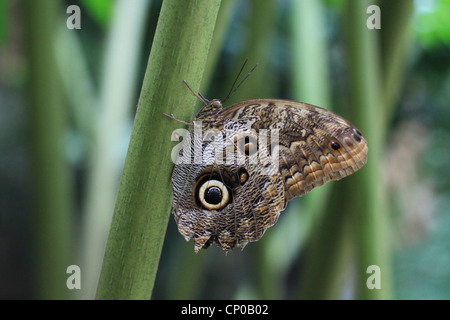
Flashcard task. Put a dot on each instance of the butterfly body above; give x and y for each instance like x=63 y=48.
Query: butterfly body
x=251 y=159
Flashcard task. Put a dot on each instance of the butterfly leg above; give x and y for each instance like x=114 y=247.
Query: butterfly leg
x=172 y=117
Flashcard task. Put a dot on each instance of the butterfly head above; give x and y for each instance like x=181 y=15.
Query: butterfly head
x=210 y=111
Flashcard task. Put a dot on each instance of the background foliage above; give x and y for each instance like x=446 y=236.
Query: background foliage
x=306 y=51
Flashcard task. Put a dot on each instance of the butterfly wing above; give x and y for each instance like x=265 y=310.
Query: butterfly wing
x=263 y=154
x=219 y=198
x=315 y=144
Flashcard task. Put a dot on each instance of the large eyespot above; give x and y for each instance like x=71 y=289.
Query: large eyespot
x=213 y=195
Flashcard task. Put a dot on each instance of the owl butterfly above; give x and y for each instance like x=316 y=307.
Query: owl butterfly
x=242 y=164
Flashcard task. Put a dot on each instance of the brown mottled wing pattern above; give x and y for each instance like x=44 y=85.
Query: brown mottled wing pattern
x=307 y=158
x=314 y=146
x=249 y=212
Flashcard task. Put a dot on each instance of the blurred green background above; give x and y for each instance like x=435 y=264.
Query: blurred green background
x=67 y=101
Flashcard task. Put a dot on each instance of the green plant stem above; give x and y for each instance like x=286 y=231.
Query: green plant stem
x=179 y=52
x=395 y=40
x=51 y=175
x=77 y=82
x=330 y=248
x=116 y=102
x=311 y=85
x=261 y=84
x=369 y=210
x=220 y=32
x=311 y=72
x=311 y=77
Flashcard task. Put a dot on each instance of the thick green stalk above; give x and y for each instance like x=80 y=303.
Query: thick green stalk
x=51 y=175
x=179 y=52
x=369 y=209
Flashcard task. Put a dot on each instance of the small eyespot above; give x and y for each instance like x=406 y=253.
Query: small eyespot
x=213 y=195
x=335 y=145
x=243 y=176
x=356 y=137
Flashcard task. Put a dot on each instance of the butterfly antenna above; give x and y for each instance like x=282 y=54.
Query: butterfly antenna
x=242 y=81
x=198 y=94
x=235 y=80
